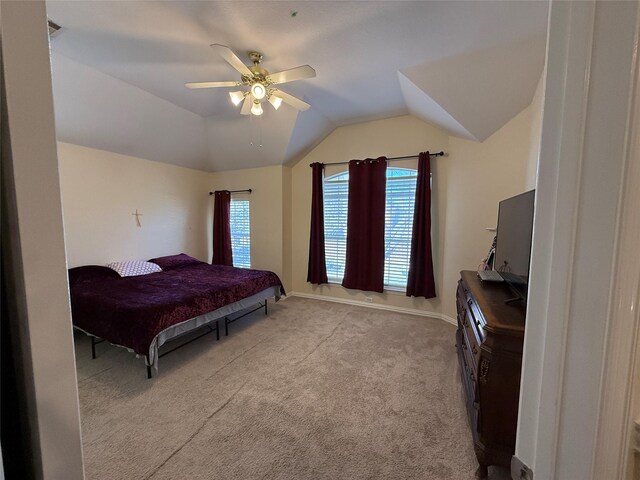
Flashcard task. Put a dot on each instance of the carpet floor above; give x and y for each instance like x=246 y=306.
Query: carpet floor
x=314 y=390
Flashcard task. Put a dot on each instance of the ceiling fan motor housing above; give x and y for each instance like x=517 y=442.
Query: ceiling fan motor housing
x=256 y=57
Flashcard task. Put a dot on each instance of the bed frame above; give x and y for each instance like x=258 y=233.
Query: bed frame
x=215 y=328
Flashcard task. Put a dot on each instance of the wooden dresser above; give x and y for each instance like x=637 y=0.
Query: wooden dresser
x=489 y=341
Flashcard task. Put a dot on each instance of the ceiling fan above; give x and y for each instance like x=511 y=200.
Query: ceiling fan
x=261 y=83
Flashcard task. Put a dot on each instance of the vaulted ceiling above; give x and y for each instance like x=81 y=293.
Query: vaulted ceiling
x=119 y=70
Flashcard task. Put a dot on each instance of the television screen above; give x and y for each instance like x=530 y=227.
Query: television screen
x=513 y=241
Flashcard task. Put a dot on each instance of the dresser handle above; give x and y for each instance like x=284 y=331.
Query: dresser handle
x=484 y=371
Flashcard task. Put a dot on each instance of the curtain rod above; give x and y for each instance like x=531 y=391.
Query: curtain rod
x=248 y=190
x=437 y=154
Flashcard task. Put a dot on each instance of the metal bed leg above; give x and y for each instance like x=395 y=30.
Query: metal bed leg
x=227 y=321
x=216 y=329
x=94 y=342
x=148 y=367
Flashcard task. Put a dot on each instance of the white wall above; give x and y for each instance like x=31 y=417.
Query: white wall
x=591 y=55
x=236 y=142
x=35 y=256
x=99 y=111
x=96 y=110
x=101 y=190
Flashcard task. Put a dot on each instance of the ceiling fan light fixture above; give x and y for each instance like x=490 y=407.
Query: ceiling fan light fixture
x=258 y=90
x=237 y=97
x=256 y=109
x=275 y=101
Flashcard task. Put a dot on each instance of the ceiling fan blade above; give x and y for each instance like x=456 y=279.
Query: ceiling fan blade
x=291 y=100
x=231 y=58
x=246 y=105
x=298 y=73
x=211 y=84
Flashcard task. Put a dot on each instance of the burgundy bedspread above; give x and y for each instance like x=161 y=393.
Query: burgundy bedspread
x=131 y=311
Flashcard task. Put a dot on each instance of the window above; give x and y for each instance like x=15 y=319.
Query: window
x=240 y=214
x=401 y=192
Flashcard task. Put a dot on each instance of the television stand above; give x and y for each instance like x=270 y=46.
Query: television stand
x=489 y=341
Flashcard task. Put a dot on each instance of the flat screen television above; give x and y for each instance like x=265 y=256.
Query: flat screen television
x=513 y=242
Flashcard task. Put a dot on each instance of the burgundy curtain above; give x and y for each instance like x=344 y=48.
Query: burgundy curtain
x=222 y=229
x=421 y=282
x=364 y=266
x=317 y=270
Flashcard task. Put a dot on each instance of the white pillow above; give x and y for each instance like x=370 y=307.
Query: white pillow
x=133 y=268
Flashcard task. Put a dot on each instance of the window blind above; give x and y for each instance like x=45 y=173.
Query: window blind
x=400 y=192
x=240 y=215
x=398 y=226
x=335 y=192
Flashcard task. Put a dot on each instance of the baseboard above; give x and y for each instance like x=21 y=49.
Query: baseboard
x=390 y=308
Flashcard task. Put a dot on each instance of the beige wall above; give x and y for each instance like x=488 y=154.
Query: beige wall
x=267 y=212
x=287 y=240
x=467 y=186
x=476 y=177
x=101 y=189
x=536 y=107
x=396 y=136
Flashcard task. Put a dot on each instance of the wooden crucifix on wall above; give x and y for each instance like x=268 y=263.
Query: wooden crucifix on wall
x=137 y=215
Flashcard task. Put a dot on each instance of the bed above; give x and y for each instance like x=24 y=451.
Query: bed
x=141 y=313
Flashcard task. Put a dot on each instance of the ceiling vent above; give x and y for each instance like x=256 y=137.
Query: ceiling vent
x=54 y=28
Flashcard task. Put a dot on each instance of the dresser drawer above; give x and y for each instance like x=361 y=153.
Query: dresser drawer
x=468 y=368
x=461 y=298
x=473 y=347
x=476 y=320
x=466 y=305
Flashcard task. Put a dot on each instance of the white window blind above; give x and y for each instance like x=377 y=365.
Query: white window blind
x=398 y=225
x=240 y=215
x=400 y=192
x=335 y=190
